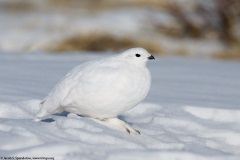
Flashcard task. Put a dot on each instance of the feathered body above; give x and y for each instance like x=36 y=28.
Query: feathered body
x=103 y=88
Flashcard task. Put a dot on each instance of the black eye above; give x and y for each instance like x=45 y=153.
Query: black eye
x=137 y=55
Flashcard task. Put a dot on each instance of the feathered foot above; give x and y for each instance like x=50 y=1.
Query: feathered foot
x=117 y=124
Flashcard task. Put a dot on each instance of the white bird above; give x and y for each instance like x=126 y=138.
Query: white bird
x=102 y=89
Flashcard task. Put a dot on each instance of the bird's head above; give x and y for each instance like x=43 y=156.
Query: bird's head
x=137 y=56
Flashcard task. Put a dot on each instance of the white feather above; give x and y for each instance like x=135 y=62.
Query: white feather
x=102 y=88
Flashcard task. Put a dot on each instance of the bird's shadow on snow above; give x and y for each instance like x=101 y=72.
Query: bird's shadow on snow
x=63 y=114
x=49 y=120
x=123 y=118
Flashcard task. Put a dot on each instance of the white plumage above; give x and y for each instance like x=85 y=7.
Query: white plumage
x=102 y=89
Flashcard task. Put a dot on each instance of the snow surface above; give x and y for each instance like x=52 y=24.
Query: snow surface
x=191 y=113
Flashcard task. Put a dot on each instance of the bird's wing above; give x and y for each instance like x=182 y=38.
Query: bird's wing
x=98 y=82
x=102 y=78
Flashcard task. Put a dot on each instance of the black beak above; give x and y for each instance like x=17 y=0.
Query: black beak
x=151 y=57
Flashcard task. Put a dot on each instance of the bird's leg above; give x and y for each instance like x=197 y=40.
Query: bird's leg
x=117 y=124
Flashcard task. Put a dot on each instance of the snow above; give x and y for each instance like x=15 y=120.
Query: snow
x=191 y=112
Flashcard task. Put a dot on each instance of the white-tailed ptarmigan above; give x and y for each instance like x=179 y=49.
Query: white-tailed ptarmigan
x=102 y=89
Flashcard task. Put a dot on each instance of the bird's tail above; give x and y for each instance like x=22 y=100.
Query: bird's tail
x=42 y=112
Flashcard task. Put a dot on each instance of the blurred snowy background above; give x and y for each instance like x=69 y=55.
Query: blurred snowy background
x=196 y=28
